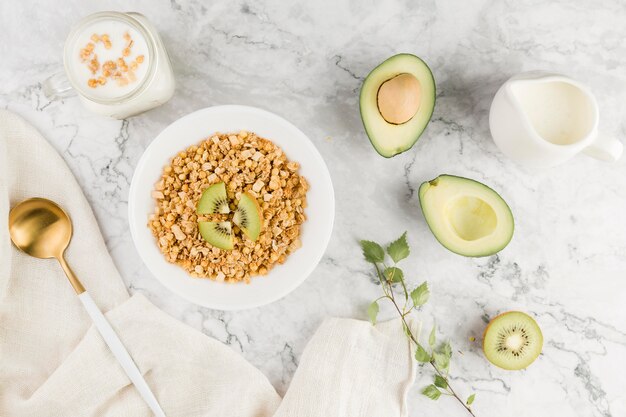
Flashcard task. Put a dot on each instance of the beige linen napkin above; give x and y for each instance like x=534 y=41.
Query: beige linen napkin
x=53 y=363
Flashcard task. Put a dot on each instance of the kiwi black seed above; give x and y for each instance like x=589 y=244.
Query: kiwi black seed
x=222 y=229
x=512 y=340
x=242 y=217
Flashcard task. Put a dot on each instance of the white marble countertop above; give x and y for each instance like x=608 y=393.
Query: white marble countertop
x=305 y=61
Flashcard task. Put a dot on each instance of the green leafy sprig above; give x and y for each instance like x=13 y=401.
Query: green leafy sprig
x=405 y=302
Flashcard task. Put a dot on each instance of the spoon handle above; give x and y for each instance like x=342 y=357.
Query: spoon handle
x=120 y=353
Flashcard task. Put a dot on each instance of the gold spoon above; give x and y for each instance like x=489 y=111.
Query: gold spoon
x=41 y=228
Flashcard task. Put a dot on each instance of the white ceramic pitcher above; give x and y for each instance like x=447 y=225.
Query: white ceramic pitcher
x=540 y=120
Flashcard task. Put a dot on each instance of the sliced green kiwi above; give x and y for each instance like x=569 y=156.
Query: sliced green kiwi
x=214 y=200
x=512 y=340
x=248 y=216
x=218 y=234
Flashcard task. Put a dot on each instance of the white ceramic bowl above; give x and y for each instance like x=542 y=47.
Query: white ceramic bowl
x=315 y=232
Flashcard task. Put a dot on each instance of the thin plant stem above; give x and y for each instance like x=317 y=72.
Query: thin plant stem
x=389 y=294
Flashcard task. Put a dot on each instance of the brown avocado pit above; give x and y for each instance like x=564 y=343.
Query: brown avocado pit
x=399 y=98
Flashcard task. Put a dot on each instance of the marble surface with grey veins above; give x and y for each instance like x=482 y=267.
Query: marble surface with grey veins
x=305 y=61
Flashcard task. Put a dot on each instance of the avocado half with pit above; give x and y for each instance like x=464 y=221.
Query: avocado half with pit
x=397 y=101
x=466 y=216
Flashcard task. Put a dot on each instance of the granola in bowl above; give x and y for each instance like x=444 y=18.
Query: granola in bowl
x=245 y=163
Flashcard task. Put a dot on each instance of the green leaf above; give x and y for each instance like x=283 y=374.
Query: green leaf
x=421 y=355
x=442 y=356
x=446 y=349
x=470 y=399
x=432 y=392
x=372 y=251
x=420 y=295
x=442 y=361
x=372 y=311
x=441 y=382
x=399 y=249
x=432 y=339
x=394 y=274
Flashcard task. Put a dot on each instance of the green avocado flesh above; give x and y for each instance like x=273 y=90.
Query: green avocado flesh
x=214 y=200
x=218 y=234
x=390 y=139
x=466 y=216
x=512 y=341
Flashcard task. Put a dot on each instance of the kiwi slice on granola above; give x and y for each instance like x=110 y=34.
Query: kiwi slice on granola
x=218 y=234
x=248 y=216
x=214 y=200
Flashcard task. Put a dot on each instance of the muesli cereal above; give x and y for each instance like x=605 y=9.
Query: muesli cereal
x=245 y=163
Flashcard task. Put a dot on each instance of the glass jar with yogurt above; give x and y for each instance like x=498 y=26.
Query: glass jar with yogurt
x=117 y=65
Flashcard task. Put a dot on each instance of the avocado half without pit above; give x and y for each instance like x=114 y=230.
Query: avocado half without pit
x=466 y=216
x=397 y=101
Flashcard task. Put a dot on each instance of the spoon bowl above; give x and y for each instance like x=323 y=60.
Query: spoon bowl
x=40 y=228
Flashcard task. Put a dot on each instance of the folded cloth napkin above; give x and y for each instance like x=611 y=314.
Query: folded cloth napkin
x=54 y=363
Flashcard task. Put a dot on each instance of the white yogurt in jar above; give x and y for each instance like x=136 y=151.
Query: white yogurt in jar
x=118 y=64
x=113 y=54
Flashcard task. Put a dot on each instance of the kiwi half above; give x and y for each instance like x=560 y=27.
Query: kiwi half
x=214 y=200
x=512 y=340
x=218 y=234
x=248 y=216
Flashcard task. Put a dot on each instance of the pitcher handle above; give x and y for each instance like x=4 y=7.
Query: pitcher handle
x=605 y=149
x=57 y=87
